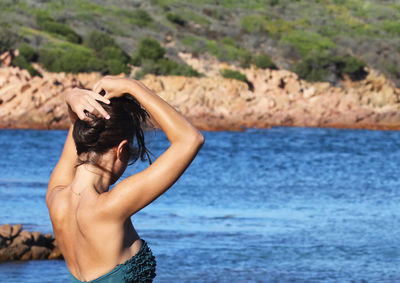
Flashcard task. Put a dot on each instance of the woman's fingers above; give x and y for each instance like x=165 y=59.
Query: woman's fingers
x=97 y=107
x=97 y=96
x=92 y=106
x=100 y=98
x=81 y=114
x=97 y=87
x=110 y=86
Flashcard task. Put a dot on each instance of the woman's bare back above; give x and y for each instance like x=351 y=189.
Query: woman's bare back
x=92 y=243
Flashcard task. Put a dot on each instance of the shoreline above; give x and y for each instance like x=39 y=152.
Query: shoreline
x=279 y=99
x=230 y=129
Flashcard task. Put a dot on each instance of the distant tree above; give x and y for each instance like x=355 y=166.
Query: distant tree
x=263 y=61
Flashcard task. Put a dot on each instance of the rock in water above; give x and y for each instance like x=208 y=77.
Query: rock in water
x=18 y=244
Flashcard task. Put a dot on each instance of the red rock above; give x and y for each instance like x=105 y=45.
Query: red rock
x=55 y=254
x=15 y=230
x=40 y=252
x=27 y=255
x=38 y=238
x=5 y=231
x=13 y=253
x=214 y=102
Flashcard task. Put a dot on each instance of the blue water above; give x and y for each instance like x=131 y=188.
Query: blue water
x=277 y=205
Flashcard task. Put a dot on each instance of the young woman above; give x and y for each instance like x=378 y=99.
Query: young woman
x=91 y=224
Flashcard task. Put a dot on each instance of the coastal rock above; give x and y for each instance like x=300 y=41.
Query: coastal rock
x=5 y=231
x=55 y=253
x=15 y=230
x=13 y=252
x=23 y=238
x=38 y=238
x=277 y=98
x=20 y=244
x=39 y=252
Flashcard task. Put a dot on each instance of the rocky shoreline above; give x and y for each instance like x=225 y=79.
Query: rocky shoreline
x=278 y=98
x=18 y=244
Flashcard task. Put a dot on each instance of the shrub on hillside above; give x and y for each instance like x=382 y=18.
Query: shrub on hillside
x=253 y=23
x=148 y=48
x=150 y=56
x=98 y=65
x=22 y=63
x=307 y=41
x=165 y=67
x=175 y=19
x=228 y=52
x=114 y=59
x=114 y=53
x=263 y=61
x=245 y=60
x=136 y=17
x=71 y=59
x=8 y=38
x=314 y=68
x=97 y=40
x=232 y=74
x=28 y=52
x=26 y=55
x=141 y=18
x=116 y=67
x=326 y=67
x=48 y=24
x=392 y=27
x=351 y=66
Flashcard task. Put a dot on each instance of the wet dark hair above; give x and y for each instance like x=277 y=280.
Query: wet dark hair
x=97 y=136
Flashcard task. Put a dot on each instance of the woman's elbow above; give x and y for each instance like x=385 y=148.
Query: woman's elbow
x=197 y=139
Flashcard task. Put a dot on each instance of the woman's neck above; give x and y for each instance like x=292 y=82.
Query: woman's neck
x=88 y=175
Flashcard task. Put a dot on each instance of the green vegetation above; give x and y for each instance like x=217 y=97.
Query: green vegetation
x=68 y=58
x=28 y=52
x=22 y=63
x=97 y=40
x=231 y=30
x=258 y=23
x=113 y=59
x=150 y=56
x=148 y=48
x=48 y=24
x=8 y=38
x=232 y=74
x=326 y=67
x=264 y=62
x=176 y=19
x=26 y=55
x=100 y=53
x=306 y=41
x=225 y=50
x=392 y=27
x=253 y=23
x=137 y=17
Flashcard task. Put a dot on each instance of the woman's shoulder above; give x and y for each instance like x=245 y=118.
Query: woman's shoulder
x=57 y=198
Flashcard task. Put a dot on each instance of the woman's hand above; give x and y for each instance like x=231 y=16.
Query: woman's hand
x=114 y=86
x=81 y=100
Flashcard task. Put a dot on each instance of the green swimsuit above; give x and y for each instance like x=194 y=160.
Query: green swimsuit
x=140 y=268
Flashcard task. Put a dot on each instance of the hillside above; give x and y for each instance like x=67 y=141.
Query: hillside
x=320 y=40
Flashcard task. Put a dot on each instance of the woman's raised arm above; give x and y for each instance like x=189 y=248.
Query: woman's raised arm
x=78 y=101
x=137 y=191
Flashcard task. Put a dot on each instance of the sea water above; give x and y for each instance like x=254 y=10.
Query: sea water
x=276 y=205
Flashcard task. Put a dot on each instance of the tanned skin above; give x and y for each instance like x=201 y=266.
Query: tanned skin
x=91 y=224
